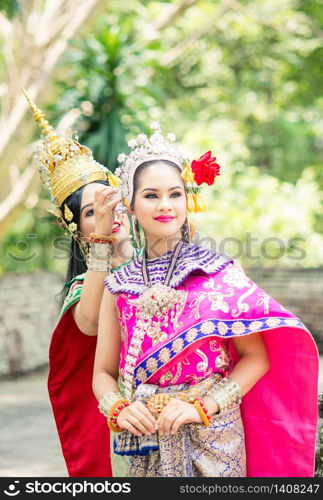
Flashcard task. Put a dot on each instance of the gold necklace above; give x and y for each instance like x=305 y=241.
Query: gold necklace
x=157 y=301
x=159 y=298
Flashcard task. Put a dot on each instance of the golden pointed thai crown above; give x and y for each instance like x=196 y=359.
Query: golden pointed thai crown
x=65 y=164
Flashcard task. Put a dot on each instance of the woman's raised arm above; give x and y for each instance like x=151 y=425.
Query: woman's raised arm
x=86 y=311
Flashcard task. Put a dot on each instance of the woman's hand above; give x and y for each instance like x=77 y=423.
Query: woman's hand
x=104 y=204
x=137 y=419
x=176 y=413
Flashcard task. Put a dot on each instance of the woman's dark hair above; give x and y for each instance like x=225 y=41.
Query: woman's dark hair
x=147 y=164
x=76 y=263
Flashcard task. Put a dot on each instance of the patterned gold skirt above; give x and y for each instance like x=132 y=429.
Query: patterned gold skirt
x=194 y=451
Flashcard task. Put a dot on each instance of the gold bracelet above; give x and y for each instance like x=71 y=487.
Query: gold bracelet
x=103 y=237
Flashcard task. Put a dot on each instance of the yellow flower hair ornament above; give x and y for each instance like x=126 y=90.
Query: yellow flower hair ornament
x=205 y=169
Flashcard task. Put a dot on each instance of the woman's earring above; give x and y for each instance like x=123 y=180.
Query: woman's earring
x=141 y=241
x=135 y=233
x=186 y=233
x=83 y=244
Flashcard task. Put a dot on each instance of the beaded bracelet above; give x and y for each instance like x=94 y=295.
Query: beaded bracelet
x=102 y=237
x=96 y=240
x=114 y=413
x=202 y=411
x=200 y=406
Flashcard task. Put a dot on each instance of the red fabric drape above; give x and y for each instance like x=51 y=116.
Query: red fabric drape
x=83 y=431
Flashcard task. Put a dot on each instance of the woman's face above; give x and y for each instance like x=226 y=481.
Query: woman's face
x=160 y=201
x=121 y=226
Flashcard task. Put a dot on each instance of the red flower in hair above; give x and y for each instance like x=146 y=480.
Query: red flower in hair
x=205 y=169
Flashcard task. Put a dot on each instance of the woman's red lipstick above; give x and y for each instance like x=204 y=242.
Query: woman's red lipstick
x=116 y=227
x=165 y=218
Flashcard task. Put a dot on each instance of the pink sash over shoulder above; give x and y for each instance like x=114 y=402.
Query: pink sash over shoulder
x=280 y=412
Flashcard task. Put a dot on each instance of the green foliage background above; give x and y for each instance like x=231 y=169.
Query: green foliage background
x=241 y=78
x=10 y=8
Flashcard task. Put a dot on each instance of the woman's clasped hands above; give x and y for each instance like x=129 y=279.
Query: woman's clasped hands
x=138 y=420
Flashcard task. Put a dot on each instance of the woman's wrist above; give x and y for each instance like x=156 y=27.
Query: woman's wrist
x=107 y=401
x=99 y=255
x=117 y=422
x=103 y=230
x=203 y=411
x=114 y=414
x=211 y=405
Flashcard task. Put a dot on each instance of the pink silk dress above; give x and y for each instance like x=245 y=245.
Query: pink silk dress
x=221 y=303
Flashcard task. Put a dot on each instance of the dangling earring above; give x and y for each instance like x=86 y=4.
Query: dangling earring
x=83 y=244
x=137 y=239
x=186 y=231
x=140 y=235
x=135 y=233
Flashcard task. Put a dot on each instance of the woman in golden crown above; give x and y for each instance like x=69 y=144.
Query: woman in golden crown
x=197 y=370
x=87 y=206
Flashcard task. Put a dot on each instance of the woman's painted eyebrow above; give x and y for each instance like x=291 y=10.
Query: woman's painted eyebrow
x=85 y=206
x=153 y=189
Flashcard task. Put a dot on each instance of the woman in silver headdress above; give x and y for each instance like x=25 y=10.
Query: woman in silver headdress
x=184 y=337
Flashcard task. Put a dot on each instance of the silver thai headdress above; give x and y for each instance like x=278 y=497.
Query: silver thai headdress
x=143 y=149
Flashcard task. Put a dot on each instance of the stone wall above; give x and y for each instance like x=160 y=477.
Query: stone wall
x=29 y=311
x=300 y=291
